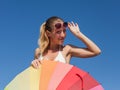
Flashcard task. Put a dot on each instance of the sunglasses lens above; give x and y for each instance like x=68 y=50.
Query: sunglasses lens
x=65 y=24
x=58 y=25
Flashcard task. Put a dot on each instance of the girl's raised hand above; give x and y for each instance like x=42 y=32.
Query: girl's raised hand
x=74 y=28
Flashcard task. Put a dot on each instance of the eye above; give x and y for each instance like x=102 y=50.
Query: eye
x=58 y=32
x=64 y=30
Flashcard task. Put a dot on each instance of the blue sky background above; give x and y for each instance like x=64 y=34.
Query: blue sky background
x=98 y=19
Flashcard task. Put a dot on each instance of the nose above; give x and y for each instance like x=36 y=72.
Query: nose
x=63 y=34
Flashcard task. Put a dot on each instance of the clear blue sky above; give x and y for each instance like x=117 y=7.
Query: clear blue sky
x=98 y=19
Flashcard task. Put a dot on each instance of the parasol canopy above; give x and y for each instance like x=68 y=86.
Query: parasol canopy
x=53 y=75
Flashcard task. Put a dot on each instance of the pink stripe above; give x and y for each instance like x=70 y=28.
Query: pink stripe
x=73 y=77
x=99 y=87
x=59 y=73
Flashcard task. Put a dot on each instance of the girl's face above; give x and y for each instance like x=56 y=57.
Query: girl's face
x=58 y=34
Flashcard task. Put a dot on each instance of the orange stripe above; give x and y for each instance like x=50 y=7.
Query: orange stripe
x=47 y=69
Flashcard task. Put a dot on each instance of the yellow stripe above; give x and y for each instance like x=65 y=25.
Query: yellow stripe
x=26 y=80
x=34 y=78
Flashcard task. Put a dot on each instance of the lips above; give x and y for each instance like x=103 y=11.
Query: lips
x=61 y=39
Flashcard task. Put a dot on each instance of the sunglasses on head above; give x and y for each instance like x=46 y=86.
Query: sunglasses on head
x=59 y=25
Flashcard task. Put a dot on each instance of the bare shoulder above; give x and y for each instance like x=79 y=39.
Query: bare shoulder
x=67 y=48
x=37 y=53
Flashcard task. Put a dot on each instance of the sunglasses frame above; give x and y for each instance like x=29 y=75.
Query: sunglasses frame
x=59 y=25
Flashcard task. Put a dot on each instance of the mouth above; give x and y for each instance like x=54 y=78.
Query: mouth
x=61 y=40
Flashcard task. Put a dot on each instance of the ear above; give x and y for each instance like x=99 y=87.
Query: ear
x=48 y=33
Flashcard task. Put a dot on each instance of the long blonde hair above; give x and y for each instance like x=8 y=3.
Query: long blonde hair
x=43 y=40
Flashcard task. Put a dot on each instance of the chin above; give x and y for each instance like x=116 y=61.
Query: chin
x=60 y=43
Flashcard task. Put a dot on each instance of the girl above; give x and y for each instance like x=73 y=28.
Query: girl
x=52 y=36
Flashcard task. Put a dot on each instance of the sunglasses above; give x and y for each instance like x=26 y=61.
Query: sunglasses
x=59 y=25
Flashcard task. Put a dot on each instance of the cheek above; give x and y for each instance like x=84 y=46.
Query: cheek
x=54 y=36
x=65 y=34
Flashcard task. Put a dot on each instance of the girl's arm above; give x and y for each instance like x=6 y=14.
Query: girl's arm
x=91 y=48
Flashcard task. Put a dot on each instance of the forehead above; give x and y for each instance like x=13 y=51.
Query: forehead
x=57 y=21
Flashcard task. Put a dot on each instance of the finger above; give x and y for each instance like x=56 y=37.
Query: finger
x=69 y=24
x=35 y=63
x=76 y=24
x=40 y=61
x=72 y=23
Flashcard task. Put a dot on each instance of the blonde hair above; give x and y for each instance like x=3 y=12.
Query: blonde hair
x=43 y=40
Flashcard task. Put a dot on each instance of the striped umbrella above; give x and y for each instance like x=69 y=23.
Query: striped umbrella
x=53 y=75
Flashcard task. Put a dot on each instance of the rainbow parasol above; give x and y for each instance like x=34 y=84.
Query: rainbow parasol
x=53 y=75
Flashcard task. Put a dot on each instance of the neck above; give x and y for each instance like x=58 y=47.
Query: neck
x=54 y=48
